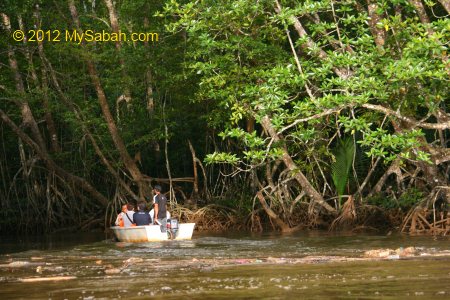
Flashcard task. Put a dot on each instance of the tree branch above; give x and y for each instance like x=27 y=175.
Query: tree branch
x=316 y=116
x=389 y=112
x=284 y=227
x=310 y=45
x=445 y=4
x=77 y=181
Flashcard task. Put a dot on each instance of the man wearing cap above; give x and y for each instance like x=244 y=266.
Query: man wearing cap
x=160 y=201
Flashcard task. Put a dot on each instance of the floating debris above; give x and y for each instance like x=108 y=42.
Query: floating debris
x=39 y=279
x=390 y=253
x=133 y=260
x=16 y=264
x=113 y=271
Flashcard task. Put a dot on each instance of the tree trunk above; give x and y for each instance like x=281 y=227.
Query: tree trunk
x=75 y=180
x=420 y=11
x=129 y=163
x=114 y=20
x=43 y=88
x=69 y=104
x=55 y=147
x=394 y=168
x=378 y=33
x=27 y=116
x=284 y=227
x=446 y=5
x=148 y=76
x=194 y=161
x=298 y=175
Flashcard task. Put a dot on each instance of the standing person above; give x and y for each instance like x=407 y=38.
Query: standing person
x=125 y=218
x=152 y=214
x=141 y=217
x=160 y=216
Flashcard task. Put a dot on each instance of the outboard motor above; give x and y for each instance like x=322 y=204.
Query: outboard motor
x=172 y=228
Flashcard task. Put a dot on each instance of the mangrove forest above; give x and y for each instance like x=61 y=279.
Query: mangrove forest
x=263 y=115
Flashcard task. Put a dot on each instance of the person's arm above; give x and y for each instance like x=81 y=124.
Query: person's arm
x=155 y=216
x=118 y=219
x=152 y=213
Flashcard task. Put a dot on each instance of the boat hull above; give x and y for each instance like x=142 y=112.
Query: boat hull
x=151 y=233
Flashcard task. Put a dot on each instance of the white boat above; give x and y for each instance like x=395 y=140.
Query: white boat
x=152 y=233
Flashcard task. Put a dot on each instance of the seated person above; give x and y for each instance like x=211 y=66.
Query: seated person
x=142 y=217
x=125 y=218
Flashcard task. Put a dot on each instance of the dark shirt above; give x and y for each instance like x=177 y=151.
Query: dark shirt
x=141 y=218
x=161 y=200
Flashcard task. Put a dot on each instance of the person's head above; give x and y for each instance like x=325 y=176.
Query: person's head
x=130 y=206
x=124 y=208
x=157 y=188
x=141 y=206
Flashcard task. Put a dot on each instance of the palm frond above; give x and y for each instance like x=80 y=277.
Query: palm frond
x=340 y=168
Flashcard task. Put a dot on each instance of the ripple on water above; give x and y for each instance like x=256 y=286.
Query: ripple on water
x=230 y=266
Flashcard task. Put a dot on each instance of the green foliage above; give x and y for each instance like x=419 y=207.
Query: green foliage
x=405 y=202
x=383 y=201
x=389 y=146
x=410 y=198
x=221 y=157
x=340 y=168
x=245 y=65
x=220 y=66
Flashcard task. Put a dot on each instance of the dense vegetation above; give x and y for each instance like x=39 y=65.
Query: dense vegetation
x=252 y=114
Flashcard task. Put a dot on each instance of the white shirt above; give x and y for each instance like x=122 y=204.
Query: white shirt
x=126 y=220
x=152 y=214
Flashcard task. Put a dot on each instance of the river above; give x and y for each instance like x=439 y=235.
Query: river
x=308 y=265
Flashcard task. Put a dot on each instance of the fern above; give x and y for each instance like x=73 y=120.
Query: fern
x=340 y=168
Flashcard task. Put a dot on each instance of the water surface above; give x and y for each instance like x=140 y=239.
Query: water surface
x=308 y=265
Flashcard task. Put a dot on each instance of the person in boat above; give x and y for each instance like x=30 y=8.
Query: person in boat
x=141 y=217
x=152 y=215
x=125 y=218
x=160 y=214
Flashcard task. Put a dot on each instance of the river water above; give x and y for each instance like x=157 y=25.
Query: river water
x=308 y=265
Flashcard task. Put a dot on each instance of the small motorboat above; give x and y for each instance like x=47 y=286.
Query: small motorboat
x=152 y=233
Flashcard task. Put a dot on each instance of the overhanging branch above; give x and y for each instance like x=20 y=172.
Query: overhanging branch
x=316 y=116
x=415 y=123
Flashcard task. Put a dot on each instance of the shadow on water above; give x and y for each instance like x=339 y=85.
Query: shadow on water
x=18 y=243
x=222 y=266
